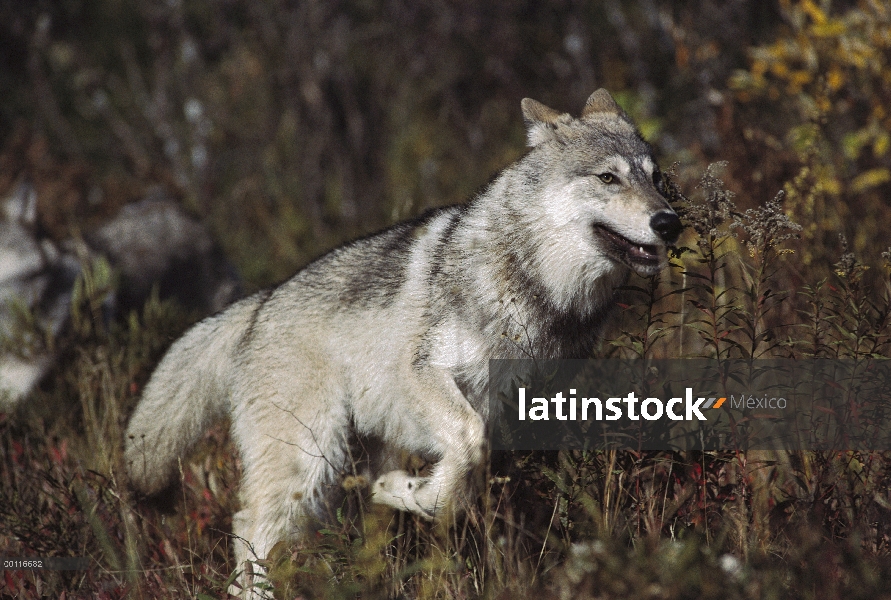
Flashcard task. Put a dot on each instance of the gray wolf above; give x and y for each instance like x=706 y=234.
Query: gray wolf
x=391 y=335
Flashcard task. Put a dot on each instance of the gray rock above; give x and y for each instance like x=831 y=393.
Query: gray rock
x=154 y=242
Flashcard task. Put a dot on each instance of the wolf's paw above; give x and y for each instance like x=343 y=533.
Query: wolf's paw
x=397 y=489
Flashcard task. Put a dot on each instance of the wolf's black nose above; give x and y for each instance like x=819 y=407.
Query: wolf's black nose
x=667 y=225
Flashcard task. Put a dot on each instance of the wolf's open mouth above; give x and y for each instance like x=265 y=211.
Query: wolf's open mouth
x=646 y=255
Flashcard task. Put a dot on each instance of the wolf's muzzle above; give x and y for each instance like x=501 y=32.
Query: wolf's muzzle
x=667 y=226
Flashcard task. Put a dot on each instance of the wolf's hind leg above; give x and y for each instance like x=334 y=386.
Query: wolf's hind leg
x=286 y=473
x=276 y=508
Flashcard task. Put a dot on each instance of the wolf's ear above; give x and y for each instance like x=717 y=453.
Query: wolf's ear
x=601 y=102
x=541 y=121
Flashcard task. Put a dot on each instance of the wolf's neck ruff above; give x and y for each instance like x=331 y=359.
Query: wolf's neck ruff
x=525 y=309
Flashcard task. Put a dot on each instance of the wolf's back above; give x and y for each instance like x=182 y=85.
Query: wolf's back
x=187 y=392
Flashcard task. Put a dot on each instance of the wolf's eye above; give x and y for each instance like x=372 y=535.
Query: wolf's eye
x=657 y=180
x=608 y=178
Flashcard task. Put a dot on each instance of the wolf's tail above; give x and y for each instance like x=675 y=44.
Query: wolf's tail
x=189 y=389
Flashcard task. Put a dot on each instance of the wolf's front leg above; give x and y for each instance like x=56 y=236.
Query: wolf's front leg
x=397 y=489
x=452 y=430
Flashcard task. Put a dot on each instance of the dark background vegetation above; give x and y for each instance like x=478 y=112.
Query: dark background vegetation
x=289 y=127
x=292 y=126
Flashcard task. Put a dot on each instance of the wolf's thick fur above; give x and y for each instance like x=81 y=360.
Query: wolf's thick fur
x=392 y=334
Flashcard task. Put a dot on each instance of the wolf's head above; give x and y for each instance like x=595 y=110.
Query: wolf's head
x=599 y=187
